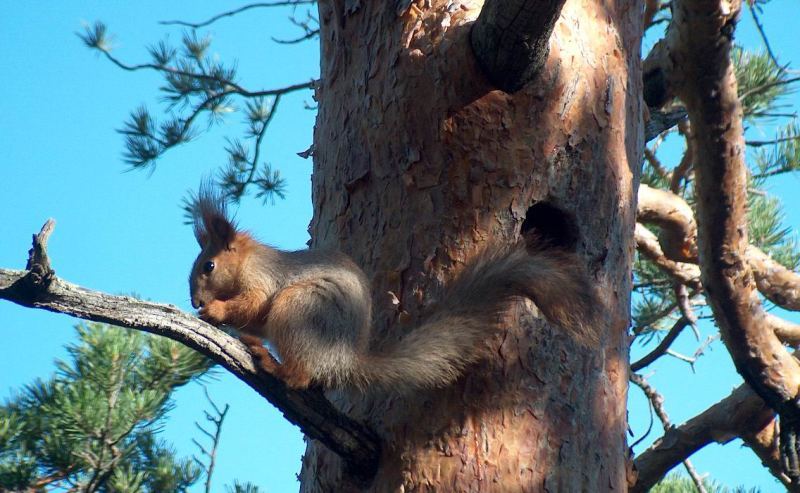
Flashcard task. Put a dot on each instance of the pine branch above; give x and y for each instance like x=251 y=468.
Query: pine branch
x=358 y=446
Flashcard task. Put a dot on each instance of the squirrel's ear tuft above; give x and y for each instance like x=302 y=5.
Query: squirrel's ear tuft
x=210 y=217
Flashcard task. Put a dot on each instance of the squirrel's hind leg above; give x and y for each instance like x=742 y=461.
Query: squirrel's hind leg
x=293 y=375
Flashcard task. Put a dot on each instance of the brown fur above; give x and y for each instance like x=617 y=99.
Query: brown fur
x=314 y=307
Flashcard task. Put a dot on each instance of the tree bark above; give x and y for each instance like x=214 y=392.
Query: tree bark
x=417 y=164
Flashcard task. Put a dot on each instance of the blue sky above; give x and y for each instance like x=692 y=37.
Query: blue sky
x=123 y=232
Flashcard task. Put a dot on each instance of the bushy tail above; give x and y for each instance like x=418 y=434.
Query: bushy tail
x=437 y=352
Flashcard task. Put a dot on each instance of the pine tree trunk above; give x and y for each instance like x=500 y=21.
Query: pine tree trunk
x=417 y=164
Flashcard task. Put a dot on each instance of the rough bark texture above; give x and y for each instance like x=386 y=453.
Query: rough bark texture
x=510 y=39
x=417 y=163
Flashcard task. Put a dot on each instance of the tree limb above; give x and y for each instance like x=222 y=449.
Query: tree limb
x=679 y=230
x=676 y=219
x=358 y=446
x=510 y=39
x=741 y=412
x=700 y=43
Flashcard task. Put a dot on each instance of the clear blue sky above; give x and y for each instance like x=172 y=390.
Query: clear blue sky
x=123 y=232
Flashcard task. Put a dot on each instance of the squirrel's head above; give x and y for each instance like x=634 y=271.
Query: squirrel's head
x=217 y=270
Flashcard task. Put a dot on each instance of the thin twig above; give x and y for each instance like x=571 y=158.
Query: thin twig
x=657 y=401
x=232 y=87
x=760 y=143
x=662 y=346
x=231 y=13
x=763 y=34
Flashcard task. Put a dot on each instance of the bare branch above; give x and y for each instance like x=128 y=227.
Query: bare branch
x=233 y=12
x=662 y=346
x=309 y=410
x=761 y=143
x=657 y=403
x=510 y=40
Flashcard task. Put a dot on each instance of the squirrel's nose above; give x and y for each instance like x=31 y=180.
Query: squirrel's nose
x=196 y=303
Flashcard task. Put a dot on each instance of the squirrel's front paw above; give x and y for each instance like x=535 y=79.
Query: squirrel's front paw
x=213 y=312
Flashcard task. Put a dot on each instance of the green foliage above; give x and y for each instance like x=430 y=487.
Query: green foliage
x=195 y=84
x=761 y=84
x=242 y=488
x=92 y=425
x=783 y=156
x=765 y=221
x=676 y=483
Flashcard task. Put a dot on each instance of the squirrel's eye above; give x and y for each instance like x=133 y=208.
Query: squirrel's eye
x=208 y=266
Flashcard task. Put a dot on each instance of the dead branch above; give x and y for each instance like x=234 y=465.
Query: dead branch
x=662 y=346
x=657 y=402
x=510 y=40
x=38 y=287
x=231 y=13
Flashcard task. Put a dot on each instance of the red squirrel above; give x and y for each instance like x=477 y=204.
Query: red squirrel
x=314 y=306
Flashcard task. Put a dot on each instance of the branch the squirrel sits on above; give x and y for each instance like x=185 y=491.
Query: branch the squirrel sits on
x=314 y=306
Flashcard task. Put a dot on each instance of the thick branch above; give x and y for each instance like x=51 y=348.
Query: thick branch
x=700 y=44
x=676 y=219
x=679 y=230
x=309 y=410
x=510 y=39
x=741 y=412
x=649 y=246
x=777 y=283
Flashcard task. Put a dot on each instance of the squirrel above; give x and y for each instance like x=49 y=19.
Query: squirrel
x=314 y=306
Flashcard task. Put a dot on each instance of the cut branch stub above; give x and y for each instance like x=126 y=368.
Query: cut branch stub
x=358 y=446
x=40 y=273
x=510 y=39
